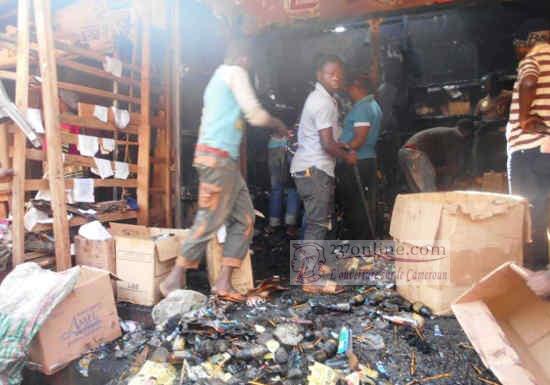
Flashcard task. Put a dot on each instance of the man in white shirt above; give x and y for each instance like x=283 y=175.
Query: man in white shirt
x=313 y=164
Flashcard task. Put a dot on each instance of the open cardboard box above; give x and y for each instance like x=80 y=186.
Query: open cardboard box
x=508 y=325
x=144 y=256
x=475 y=232
x=84 y=320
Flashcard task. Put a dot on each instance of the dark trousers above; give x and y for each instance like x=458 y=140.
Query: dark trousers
x=529 y=176
x=317 y=192
x=355 y=217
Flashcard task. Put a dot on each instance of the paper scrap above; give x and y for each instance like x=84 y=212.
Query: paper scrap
x=94 y=231
x=34 y=117
x=221 y=234
x=113 y=66
x=103 y=168
x=122 y=170
x=107 y=145
x=101 y=112
x=87 y=145
x=83 y=190
x=87 y=212
x=322 y=375
x=122 y=117
x=32 y=217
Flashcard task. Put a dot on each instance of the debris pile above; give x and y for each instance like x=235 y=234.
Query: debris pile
x=366 y=335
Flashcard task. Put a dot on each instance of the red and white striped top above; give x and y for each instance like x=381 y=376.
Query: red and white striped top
x=537 y=64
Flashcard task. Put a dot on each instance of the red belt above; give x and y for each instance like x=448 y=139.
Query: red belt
x=410 y=146
x=212 y=150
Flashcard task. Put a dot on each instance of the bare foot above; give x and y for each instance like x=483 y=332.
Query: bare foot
x=174 y=281
x=223 y=283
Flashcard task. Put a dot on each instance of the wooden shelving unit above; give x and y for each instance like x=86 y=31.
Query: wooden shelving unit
x=39 y=57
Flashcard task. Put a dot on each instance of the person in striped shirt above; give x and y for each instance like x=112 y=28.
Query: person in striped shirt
x=528 y=140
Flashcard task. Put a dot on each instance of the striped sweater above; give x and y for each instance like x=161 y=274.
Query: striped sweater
x=537 y=64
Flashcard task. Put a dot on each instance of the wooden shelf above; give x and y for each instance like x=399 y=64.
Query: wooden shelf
x=79 y=221
x=43 y=184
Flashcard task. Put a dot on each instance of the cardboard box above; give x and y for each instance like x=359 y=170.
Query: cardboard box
x=471 y=233
x=83 y=321
x=508 y=325
x=99 y=254
x=144 y=256
x=242 y=279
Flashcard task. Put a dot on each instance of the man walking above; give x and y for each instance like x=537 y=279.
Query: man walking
x=223 y=194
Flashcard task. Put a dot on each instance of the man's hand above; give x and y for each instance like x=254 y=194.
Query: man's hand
x=539 y=282
x=532 y=124
x=351 y=158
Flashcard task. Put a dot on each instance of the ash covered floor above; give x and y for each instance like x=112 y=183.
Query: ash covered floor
x=278 y=341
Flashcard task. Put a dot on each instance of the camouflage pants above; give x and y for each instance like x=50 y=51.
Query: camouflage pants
x=223 y=199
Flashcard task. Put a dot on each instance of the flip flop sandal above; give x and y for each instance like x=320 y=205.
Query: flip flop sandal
x=230 y=297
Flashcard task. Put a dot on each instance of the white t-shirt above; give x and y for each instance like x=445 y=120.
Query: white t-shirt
x=320 y=112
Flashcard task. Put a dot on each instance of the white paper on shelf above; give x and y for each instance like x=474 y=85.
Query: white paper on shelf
x=94 y=231
x=113 y=66
x=83 y=190
x=34 y=117
x=107 y=145
x=34 y=216
x=103 y=168
x=122 y=117
x=87 y=145
x=122 y=170
x=102 y=113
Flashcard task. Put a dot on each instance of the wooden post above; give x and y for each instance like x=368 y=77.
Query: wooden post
x=374 y=73
x=167 y=174
x=20 y=141
x=50 y=101
x=144 y=138
x=176 y=110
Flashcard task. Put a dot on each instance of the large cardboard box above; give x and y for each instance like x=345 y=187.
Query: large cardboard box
x=83 y=321
x=242 y=278
x=144 y=256
x=508 y=325
x=99 y=254
x=448 y=241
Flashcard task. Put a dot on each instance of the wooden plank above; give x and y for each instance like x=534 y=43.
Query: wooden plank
x=145 y=129
x=176 y=109
x=95 y=92
x=50 y=101
x=4 y=156
x=20 y=141
x=95 y=72
x=67 y=61
x=87 y=110
x=9 y=62
x=166 y=169
x=4 y=145
x=77 y=160
x=79 y=221
x=9 y=75
x=43 y=184
x=92 y=122
x=67 y=137
x=90 y=55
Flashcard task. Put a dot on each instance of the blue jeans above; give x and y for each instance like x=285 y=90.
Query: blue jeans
x=280 y=180
x=529 y=176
